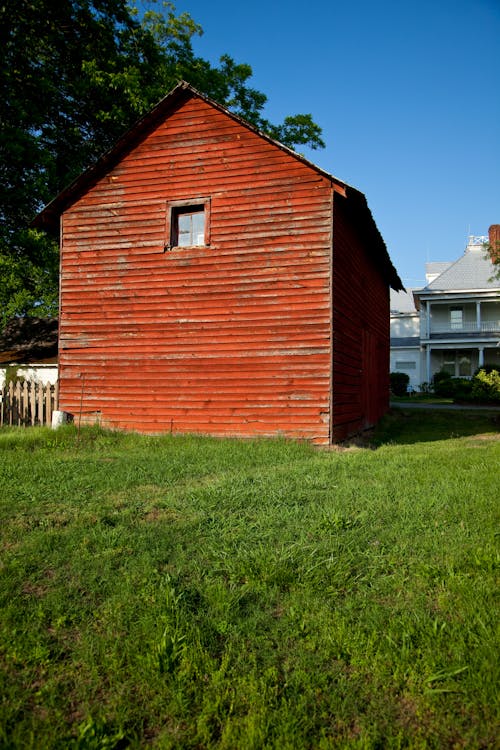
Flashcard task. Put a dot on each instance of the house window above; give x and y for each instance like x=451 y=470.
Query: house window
x=188 y=223
x=456 y=318
x=188 y=226
x=458 y=364
x=406 y=365
x=464 y=366
x=449 y=366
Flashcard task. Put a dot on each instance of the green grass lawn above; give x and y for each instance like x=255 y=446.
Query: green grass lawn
x=425 y=398
x=187 y=592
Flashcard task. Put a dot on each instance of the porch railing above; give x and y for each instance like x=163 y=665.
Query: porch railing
x=486 y=326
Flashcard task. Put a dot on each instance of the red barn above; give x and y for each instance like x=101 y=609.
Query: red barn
x=214 y=281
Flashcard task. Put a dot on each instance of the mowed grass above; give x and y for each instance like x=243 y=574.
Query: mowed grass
x=187 y=592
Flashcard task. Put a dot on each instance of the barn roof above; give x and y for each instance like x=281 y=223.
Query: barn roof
x=48 y=218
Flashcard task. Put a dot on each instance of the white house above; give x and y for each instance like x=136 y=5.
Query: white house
x=459 y=312
x=453 y=323
x=405 y=337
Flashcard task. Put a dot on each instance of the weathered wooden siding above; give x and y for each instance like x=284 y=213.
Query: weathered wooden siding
x=231 y=339
x=360 y=310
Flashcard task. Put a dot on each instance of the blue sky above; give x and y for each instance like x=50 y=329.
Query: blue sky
x=407 y=93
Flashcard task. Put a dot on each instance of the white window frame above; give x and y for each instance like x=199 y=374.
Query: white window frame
x=180 y=207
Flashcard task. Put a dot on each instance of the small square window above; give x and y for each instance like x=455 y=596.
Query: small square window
x=188 y=226
x=188 y=223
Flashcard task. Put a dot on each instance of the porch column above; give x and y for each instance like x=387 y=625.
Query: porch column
x=478 y=315
x=481 y=356
x=428 y=362
x=428 y=319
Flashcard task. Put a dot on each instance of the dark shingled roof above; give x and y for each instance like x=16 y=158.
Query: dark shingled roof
x=29 y=340
x=405 y=341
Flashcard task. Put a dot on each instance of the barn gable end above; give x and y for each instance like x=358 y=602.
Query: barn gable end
x=197 y=288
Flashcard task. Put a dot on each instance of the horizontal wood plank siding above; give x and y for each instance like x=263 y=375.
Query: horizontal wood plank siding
x=229 y=339
x=360 y=323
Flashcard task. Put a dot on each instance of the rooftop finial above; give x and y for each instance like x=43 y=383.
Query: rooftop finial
x=476 y=242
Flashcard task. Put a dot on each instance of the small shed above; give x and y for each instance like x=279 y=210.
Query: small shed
x=28 y=349
x=214 y=281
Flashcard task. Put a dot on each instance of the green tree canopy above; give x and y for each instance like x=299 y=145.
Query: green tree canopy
x=492 y=250
x=74 y=75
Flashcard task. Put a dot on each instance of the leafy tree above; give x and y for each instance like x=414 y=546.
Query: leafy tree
x=493 y=253
x=492 y=249
x=74 y=75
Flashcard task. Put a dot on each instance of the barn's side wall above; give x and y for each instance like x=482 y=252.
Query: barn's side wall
x=360 y=323
x=230 y=339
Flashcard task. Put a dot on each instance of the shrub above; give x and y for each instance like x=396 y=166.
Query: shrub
x=446 y=386
x=487 y=369
x=486 y=386
x=399 y=383
x=462 y=388
x=442 y=383
x=11 y=375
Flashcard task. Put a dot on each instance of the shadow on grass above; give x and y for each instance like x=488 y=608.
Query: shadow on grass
x=407 y=426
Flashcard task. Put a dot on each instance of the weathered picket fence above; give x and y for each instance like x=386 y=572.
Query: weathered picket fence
x=24 y=403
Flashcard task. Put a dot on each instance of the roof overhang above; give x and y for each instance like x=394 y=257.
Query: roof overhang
x=457 y=294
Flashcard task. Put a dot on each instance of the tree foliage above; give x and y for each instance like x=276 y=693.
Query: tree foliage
x=486 y=385
x=74 y=75
x=493 y=253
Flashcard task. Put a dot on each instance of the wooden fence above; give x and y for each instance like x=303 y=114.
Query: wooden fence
x=24 y=404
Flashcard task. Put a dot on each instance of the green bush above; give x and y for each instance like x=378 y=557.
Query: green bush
x=446 y=386
x=399 y=383
x=486 y=368
x=486 y=386
x=442 y=383
x=462 y=388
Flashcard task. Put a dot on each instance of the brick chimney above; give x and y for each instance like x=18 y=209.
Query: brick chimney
x=494 y=240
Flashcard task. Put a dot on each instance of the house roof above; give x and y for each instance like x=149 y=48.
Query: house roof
x=48 y=218
x=402 y=302
x=473 y=270
x=29 y=340
x=437 y=267
x=405 y=342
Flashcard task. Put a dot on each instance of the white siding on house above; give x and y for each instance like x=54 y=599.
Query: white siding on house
x=39 y=373
x=460 y=314
x=405 y=338
x=404 y=324
x=407 y=360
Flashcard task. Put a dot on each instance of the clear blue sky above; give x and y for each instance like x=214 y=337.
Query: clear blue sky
x=407 y=93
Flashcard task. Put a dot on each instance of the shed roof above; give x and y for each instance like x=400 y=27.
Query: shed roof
x=29 y=340
x=48 y=218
